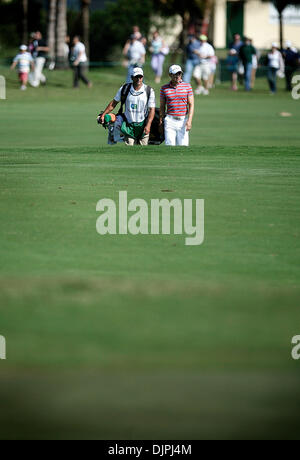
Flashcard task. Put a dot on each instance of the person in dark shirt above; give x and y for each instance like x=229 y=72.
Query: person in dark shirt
x=291 y=60
x=232 y=63
x=246 y=54
x=39 y=53
x=192 y=60
x=237 y=43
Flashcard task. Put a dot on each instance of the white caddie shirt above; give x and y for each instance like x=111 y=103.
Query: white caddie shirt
x=79 y=48
x=136 y=108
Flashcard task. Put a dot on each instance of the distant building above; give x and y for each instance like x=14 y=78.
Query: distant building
x=254 y=19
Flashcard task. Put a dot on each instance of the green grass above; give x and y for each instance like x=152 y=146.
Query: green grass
x=138 y=337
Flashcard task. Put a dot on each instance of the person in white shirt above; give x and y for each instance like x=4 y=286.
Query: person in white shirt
x=202 y=71
x=275 y=66
x=133 y=126
x=135 y=52
x=80 y=62
x=23 y=60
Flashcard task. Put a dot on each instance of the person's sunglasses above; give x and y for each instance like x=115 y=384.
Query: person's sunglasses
x=138 y=76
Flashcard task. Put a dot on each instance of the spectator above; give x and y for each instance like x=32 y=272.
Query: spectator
x=192 y=60
x=232 y=63
x=31 y=41
x=246 y=54
x=159 y=51
x=135 y=52
x=79 y=59
x=136 y=32
x=179 y=99
x=275 y=65
x=291 y=60
x=135 y=123
x=203 y=69
x=23 y=60
x=239 y=74
x=237 y=43
x=39 y=53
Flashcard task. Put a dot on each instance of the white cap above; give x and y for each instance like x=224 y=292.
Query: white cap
x=23 y=47
x=137 y=71
x=274 y=45
x=175 y=69
x=288 y=44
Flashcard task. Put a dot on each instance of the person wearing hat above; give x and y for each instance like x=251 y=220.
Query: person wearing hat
x=178 y=98
x=202 y=70
x=133 y=126
x=135 y=52
x=275 y=65
x=23 y=60
x=291 y=62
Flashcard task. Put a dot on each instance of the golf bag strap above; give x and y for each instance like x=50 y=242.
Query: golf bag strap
x=124 y=93
x=148 y=92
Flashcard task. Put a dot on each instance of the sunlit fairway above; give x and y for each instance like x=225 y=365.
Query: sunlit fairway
x=137 y=337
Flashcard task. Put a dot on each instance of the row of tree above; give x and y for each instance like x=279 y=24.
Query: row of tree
x=57 y=26
x=114 y=23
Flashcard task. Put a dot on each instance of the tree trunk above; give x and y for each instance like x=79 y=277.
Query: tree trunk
x=280 y=30
x=25 y=21
x=61 y=32
x=51 y=28
x=85 y=11
x=207 y=14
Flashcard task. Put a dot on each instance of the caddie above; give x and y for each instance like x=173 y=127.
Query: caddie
x=134 y=124
x=178 y=97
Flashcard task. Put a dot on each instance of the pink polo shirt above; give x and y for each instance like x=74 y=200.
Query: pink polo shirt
x=176 y=98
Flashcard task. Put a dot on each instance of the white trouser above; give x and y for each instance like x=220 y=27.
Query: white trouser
x=175 y=132
x=202 y=71
x=37 y=76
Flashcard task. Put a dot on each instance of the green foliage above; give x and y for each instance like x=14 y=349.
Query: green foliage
x=280 y=5
x=171 y=7
x=112 y=26
x=11 y=15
